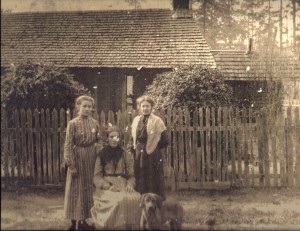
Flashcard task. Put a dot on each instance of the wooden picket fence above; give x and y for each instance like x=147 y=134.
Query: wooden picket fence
x=209 y=147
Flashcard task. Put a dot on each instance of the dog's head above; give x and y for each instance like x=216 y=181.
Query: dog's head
x=151 y=202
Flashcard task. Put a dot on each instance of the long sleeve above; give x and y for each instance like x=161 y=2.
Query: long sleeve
x=129 y=169
x=129 y=147
x=69 y=147
x=163 y=140
x=98 y=173
x=101 y=139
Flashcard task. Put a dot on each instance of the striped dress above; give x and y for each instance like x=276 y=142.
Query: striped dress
x=113 y=210
x=83 y=141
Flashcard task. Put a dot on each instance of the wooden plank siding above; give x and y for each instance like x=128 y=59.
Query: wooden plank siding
x=208 y=147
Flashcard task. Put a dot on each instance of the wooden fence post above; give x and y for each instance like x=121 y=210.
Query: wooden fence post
x=297 y=148
x=5 y=135
x=180 y=147
x=208 y=143
x=188 y=154
x=18 y=145
x=282 y=148
x=202 y=148
x=289 y=148
x=195 y=161
x=213 y=144
x=38 y=146
x=44 y=146
x=23 y=143
x=225 y=143
x=55 y=146
x=62 y=137
x=30 y=143
x=49 y=147
x=175 y=148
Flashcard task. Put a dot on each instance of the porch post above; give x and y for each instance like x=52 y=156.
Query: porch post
x=129 y=92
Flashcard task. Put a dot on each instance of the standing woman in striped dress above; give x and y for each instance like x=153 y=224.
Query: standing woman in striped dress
x=81 y=147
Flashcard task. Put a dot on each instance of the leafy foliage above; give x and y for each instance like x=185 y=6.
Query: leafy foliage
x=35 y=85
x=191 y=86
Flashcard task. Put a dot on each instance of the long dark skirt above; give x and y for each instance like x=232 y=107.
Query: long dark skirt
x=148 y=171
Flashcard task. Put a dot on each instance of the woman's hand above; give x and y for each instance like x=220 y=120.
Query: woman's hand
x=114 y=188
x=106 y=186
x=129 y=189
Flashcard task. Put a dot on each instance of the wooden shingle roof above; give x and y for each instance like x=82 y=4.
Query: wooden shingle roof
x=131 y=39
x=240 y=65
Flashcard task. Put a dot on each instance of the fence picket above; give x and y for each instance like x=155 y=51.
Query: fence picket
x=252 y=160
x=30 y=144
x=17 y=142
x=44 y=146
x=168 y=158
x=297 y=147
x=23 y=143
x=209 y=144
x=213 y=144
x=4 y=136
x=282 y=149
x=195 y=161
x=62 y=136
x=274 y=149
x=49 y=146
x=219 y=144
x=232 y=145
x=175 y=147
x=239 y=147
x=38 y=146
x=12 y=154
x=55 y=146
x=225 y=149
x=187 y=139
x=181 y=172
x=289 y=148
x=202 y=147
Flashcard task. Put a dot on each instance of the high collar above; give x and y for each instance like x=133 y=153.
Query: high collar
x=83 y=117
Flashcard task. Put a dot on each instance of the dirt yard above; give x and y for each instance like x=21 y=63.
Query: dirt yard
x=243 y=209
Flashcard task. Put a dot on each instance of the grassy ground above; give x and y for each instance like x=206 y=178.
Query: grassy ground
x=243 y=209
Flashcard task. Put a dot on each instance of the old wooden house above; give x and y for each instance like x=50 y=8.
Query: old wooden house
x=113 y=53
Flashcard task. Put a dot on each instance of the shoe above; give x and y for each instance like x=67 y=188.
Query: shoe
x=72 y=227
x=82 y=225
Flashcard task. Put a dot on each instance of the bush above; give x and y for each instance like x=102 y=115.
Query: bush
x=191 y=86
x=35 y=85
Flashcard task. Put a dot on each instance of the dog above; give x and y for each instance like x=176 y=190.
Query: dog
x=157 y=214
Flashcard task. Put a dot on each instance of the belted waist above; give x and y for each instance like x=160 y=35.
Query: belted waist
x=84 y=145
x=114 y=174
x=142 y=140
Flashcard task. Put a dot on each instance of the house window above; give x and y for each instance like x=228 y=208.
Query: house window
x=180 y=4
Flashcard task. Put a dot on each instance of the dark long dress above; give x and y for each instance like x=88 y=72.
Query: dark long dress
x=114 y=210
x=148 y=169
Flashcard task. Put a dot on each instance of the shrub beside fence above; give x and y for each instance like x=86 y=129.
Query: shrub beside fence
x=208 y=146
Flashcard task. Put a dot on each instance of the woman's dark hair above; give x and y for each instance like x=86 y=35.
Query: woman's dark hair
x=113 y=128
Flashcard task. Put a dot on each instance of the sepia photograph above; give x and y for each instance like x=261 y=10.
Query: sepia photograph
x=150 y=115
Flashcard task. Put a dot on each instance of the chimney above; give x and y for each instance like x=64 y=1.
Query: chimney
x=250 y=46
x=182 y=9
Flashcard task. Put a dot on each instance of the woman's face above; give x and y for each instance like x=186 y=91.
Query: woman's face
x=113 y=139
x=146 y=108
x=85 y=108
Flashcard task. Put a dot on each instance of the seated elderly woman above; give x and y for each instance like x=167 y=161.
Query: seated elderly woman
x=116 y=203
